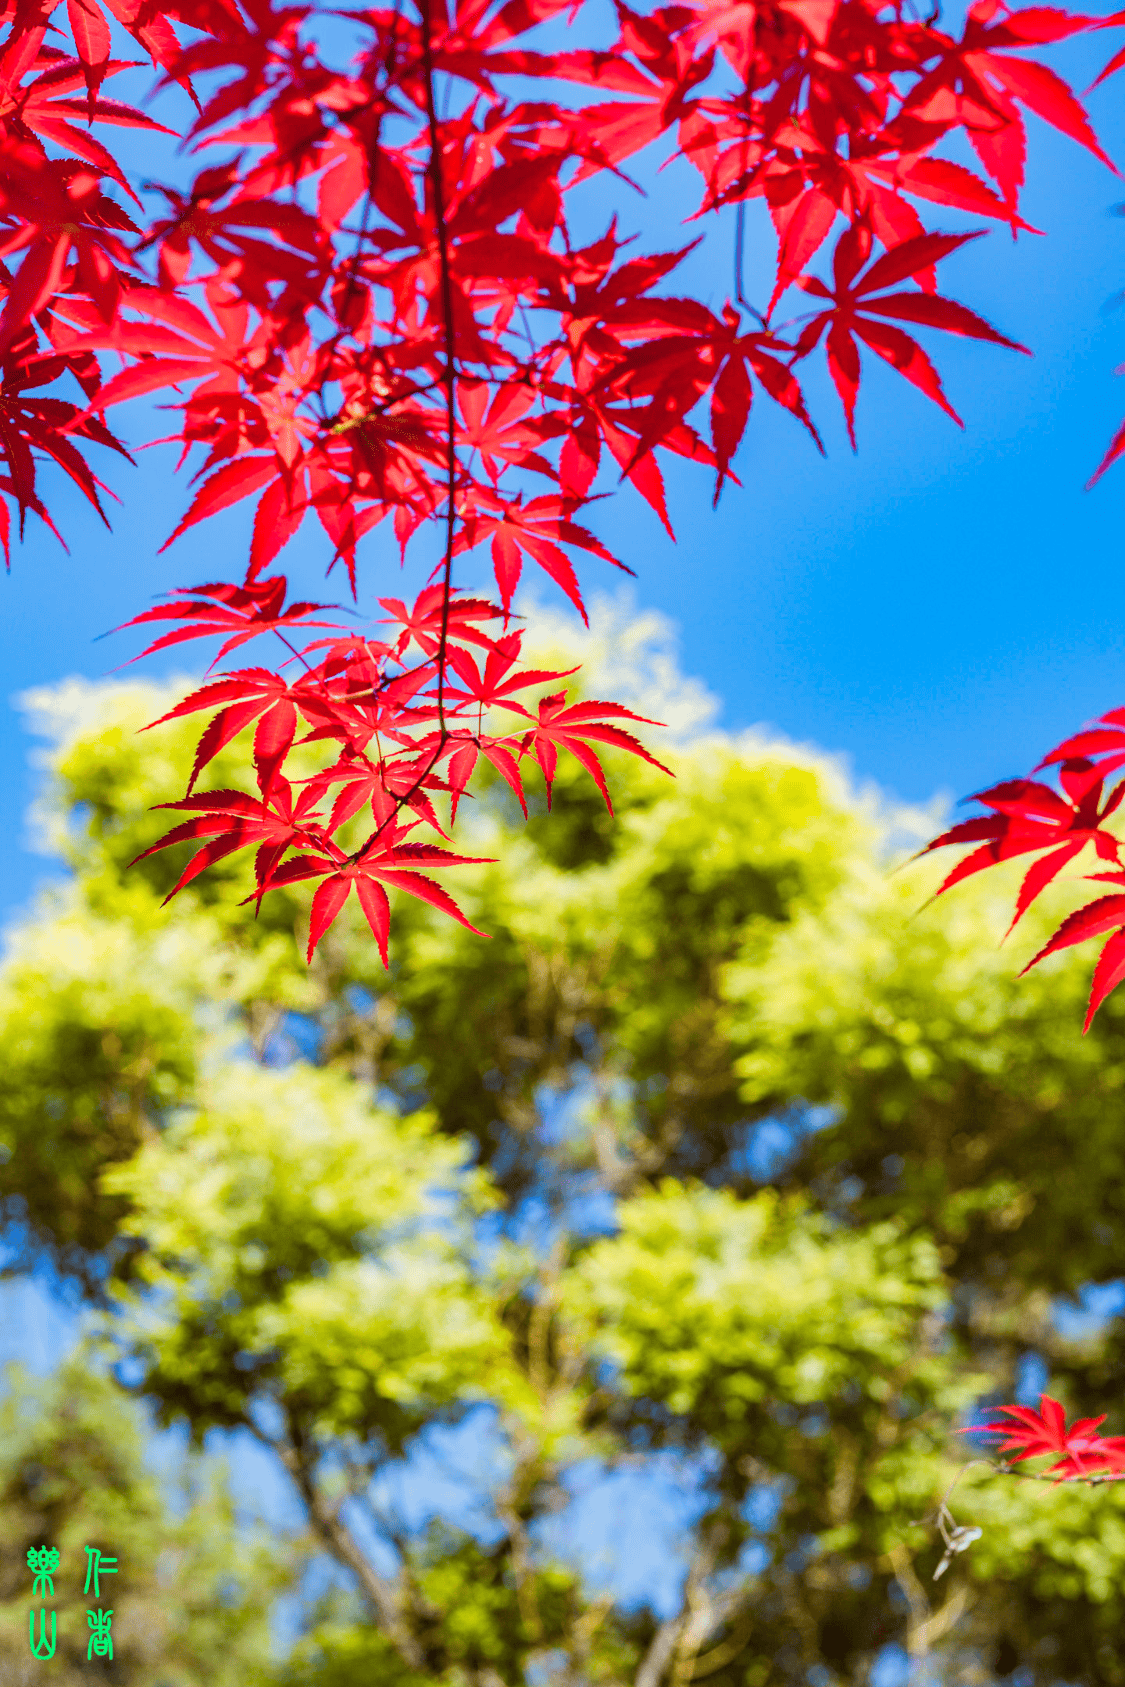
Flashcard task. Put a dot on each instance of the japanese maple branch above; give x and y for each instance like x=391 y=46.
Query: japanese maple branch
x=446 y=283
x=1094 y=1480
x=450 y=384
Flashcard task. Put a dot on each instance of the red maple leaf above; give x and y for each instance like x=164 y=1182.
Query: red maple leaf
x=386 y=859
x=1027 y=816
x=241 y=697
x=533 y=529
x=44 y=107
x=34 y=422
x=858 y=301
x=573 y=728
x=1034 y=1434
x=241 y=612
x=58 y=217
x=233 y=821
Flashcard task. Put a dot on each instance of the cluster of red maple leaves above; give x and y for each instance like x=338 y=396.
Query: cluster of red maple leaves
x=369 y=313
x=1029 y=816
x=406 y=718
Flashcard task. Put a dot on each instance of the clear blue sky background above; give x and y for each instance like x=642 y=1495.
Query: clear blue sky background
x=940 y=608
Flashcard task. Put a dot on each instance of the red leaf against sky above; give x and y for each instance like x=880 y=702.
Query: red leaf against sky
x=422 y=623
x=857 y=299
x=516 y=530
x=32 y=422
x=242 y=612
x=1028 y=816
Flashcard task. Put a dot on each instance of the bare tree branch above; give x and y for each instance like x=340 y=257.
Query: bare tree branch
x=384 y=1596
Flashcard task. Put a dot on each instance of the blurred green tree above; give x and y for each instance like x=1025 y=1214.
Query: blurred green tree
x=723 y=1154
x=194 y=1601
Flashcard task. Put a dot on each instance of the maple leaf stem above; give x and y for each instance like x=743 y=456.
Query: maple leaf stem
x=1092 y=1481
x=294 y=650
x=739 y=262
x=450 y=386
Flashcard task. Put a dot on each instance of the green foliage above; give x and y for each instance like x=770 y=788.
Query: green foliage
x=722 y=1148
x=297 y=1235
x=192 y=1593
x=916 y=1025
x=715 y=1305
x=96 y=1041
x=489 y=1628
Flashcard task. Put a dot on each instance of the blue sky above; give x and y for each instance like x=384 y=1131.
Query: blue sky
x=939 y=608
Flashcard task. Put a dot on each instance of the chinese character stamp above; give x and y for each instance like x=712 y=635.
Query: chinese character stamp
x=101 y=1641
x=44 y=1561
x=41 y=1649
x=97 y=1565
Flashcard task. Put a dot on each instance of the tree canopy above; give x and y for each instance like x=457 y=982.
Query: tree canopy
x=724 y=1159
